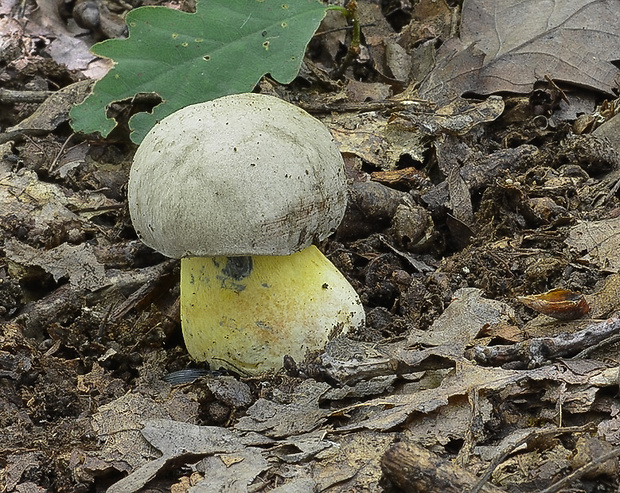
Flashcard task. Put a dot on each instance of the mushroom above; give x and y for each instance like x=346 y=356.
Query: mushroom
x=240 y=188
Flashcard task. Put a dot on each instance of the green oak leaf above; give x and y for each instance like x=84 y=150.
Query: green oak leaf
x=225 y=47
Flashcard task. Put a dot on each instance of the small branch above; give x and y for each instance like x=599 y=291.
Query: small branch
x=11 y=96
x=578 y=473
x=534 y=352
x=346 y=28
x=413 y=468
x=417 y=106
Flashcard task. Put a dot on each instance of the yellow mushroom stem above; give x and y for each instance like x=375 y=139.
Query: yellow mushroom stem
x=247 y=313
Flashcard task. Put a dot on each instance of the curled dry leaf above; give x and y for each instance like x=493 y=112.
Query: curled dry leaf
x=558 y=303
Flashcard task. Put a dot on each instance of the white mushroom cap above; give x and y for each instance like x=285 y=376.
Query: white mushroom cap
x=246 y=174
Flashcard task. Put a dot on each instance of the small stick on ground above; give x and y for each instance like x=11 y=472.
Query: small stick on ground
x=415 y=469
x=535 y=352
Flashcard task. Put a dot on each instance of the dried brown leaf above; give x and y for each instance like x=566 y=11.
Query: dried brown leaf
x=507 y=45
x=598 y=242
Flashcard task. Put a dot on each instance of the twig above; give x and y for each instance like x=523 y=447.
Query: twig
x=12 y=96
x=535 y=352
x=589 y=350
x=578 y=473
x=412 y=105
x=53 y=164
x=345 y=28
x=413 y=468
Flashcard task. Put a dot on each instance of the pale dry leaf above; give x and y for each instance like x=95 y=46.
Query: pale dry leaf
x=606 y=299
x=302 y=448
x=370 y=137
x=458 y=117
x=231 y=472
x=49 y=210
x=77 y=263
x=19 y=464
x=468 y=313
x=118 y=425
x=29 y=199
x=507 y=45
x=47 y=16
x=72 y=52
x=609 y=429
x=582 y=382
x=7 y=7
x=178 y=439
x=394 y=410
x=354 y=465
x=598 y=242
x=65 y=43
x=298 y=485
x=174 y=438
x=300 y=414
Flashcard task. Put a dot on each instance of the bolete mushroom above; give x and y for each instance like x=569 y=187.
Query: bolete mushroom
x=240 y=188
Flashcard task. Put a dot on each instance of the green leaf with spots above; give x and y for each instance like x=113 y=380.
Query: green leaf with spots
x=225 y=47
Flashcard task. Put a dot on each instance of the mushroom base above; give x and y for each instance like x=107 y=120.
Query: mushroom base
x=246 y=313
